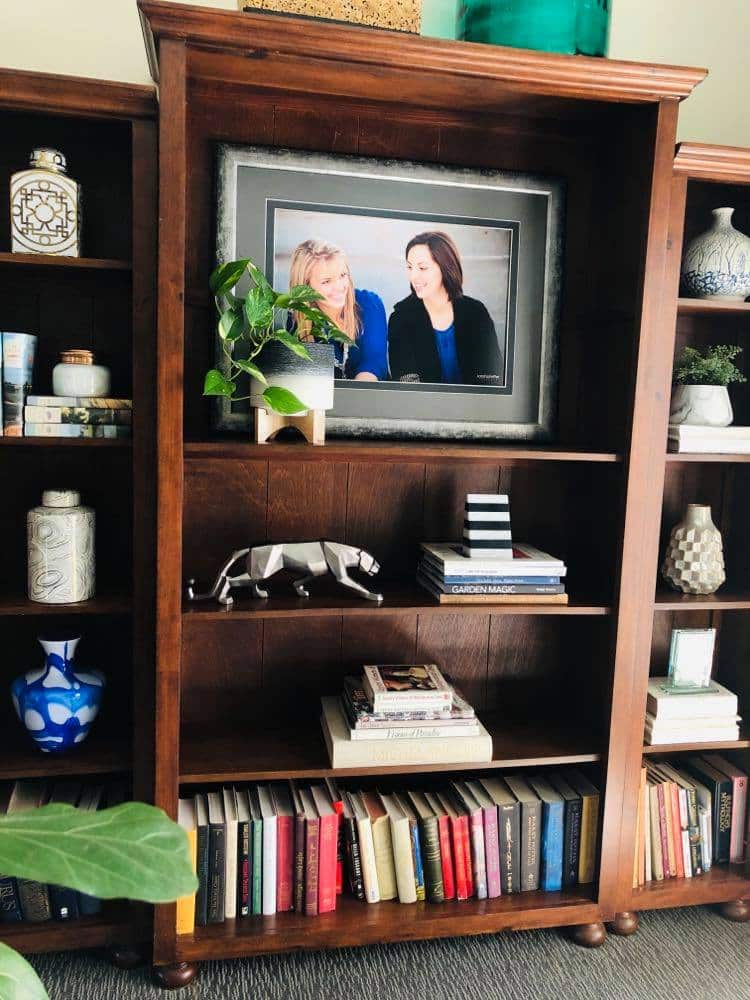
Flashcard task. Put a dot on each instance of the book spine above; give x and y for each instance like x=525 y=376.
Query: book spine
x=353 y=857
x=75 y=430
x=723 y=821
x=655 y=831
x=663 y=832
x=531 y=817
x=403 y=860
x=674 y=814
x=694 y=833
x=256 y=900
x=502 y=588
x=75 y=415
x=34 y=899
x=416 y=852
x=552 y=846
x=201 y=900
x=572 y=842
x=648 y=867
x=338 y=808
x=704 y=821
x=446 y=858
x=10 y=904
x=91 y=402
x=509 y=829
x=216 y=872
x=284 y=864
x=299 y=863
x=478 y=859
x=243 y=868
x=230 y=870
x=447 y=731
x=464 y=888
x=312 y=857
x=63 y=902
x=397 y=702
x=327 y=863
x=492 y=851
x=268 y=877
x=431 y=856
x=739 y=811
x=367 y=855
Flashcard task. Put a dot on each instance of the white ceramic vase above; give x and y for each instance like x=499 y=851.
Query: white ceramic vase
x=61 y=549
x=706 y=405
x=694 y=561
x=716 y=264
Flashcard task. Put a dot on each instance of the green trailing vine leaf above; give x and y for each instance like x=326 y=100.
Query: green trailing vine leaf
x=217 y=384
x=18 y=981
x=283 y=401
x=227 y=275
x=258 y=310
x=295 y=346
x=231 y=325
x=251 y=369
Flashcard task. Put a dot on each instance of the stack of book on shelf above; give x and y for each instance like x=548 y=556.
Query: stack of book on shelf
x=24 y=899
x=697 y=715
x=402 y=714
x=77 y=417
x=692 y=813
x=292 y=846
x=709 y=440
x=530 y=577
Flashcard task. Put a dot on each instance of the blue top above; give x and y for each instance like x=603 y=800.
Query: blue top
x=370 y=352
x=445 y=341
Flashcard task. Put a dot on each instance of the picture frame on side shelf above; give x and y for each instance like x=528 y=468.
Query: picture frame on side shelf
x=449 y=278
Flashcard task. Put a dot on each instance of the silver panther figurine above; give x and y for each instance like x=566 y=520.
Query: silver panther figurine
x=310 y=558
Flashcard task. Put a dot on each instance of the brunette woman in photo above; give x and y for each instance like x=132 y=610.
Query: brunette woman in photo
x=359 y=313
x=437 y=334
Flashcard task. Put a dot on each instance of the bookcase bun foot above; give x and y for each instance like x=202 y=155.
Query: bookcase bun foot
x=736 y=910
x=589 y=935
x=624 y=924
x=126 y=956
x=174 y=977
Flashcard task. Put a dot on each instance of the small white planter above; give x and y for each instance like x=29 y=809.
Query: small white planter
x=706 y=405
x=310 y=381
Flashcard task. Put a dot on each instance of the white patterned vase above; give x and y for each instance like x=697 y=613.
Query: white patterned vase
x=60 y=537
x=706 y=405
x=716 y=264
x=45 y=207
x=694 y=562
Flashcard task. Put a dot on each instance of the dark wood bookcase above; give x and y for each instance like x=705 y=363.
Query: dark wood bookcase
x=105 y=301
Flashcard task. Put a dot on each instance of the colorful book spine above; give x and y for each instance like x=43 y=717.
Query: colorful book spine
x=88 y=402
x=478 y=858
x=420 y=882
x=327 y=852
x=572 y=841
x=312 y=861
x=299 y=862
x=10 y=905
x=244 y=868
x=256 y=899
x=446 y=858
x=18 y=351
x=492 y=851
x=430 y=836
x=75 y=415
x=76 y=430
x=216 y=872
x=353 y=857
x=509 y=828
x=284 y=863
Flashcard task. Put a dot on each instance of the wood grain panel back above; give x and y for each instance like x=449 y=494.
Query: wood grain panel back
x=445 y=490
x=523 y=662
x=378 y=639
x=301 y=662
x=306 y=502
x=458 y=645
x=384 y=513
x=222 y=669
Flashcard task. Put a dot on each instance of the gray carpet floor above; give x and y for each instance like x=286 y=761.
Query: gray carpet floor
x=691 y=953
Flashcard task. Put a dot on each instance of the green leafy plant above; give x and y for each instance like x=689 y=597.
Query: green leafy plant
x=257 y=319
x=714 y=366
x=132 y=851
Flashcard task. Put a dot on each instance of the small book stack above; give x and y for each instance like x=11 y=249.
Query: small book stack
x=699 y=715
x=530 y=577
x=402 y=714
x=77 y=417
x=692 y=814
x=701 y=439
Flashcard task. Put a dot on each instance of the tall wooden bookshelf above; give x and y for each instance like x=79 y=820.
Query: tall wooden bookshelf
x=558 y=686
x=104 y=301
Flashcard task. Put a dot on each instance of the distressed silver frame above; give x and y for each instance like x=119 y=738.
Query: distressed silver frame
x=231 y=157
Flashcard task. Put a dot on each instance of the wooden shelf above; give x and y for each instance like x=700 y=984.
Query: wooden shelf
x=112 y=604
x=62 y=442
x=358 y=923
x=726 y=599
x=711 y=307
x=341 y=449
x=743 y=743
x=29 y=260
x=99 y=754
x=687 y=456
x=297 y=750
x=114 y=925
x=398 y=599
x=720 y=884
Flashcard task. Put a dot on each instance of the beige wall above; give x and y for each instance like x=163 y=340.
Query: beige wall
x=102 y=38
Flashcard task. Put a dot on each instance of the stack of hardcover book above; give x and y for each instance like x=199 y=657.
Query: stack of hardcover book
x=697 y=715
x=530 y=577
x=709 y=440
x=402 y=714
x=292 y=846
x=77 y=417
x=692 y=813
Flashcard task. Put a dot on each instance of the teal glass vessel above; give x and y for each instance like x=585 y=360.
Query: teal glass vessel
x=572 y=26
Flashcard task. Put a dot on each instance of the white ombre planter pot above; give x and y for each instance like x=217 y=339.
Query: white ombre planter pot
x=310 y=381
x=705 y=405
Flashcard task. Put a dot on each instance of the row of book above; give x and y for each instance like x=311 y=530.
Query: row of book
x=691 y=814
x=295 y=847
x=24 y=899
x=525 y=575
x=696 y=715
x=77 y=417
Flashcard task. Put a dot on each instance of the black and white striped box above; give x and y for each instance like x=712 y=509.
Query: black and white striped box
x=487 y=526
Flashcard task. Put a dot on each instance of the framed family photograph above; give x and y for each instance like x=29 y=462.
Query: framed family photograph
x=447 y=280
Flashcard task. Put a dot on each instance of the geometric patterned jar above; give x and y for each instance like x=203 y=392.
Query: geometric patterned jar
x=694 y=562
x=45 y=207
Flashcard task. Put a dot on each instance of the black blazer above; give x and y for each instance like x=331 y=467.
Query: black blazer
x=413 y=353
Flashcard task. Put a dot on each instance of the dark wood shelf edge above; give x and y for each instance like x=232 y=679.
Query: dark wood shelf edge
x=114 y=925
x=728 y=601
x=62 y=442
x=743 y=743
x=65 y=263
x=711 y=307
x=12 y=606
x=696 y=456
x=721 y=884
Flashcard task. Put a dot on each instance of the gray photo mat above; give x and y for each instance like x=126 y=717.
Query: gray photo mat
x=248 y=178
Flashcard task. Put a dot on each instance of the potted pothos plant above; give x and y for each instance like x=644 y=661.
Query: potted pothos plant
x=282 y=340
x=700 y=394
x=131 y=851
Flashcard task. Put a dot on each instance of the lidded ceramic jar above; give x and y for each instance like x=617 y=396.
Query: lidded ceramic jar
x=78 y=375
x=45 y=207
x=60 y=538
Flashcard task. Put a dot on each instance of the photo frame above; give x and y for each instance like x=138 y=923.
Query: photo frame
x=500 y=232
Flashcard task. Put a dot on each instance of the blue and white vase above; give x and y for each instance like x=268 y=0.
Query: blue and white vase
x=716 y=264
x=56 y=703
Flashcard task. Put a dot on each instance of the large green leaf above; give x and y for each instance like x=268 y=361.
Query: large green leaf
x=133 y=851
x=18 y=981
x=283 y=401
x=230 y=325
x=305 y=293
x=295 y=346
x=217 y=384
x=227 y=275
x=267 y=293
x=251 y=369
x=258 y=310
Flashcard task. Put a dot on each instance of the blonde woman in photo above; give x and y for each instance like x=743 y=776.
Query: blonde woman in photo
x=359 y=313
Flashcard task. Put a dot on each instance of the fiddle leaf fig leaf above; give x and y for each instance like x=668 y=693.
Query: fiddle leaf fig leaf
x=227 y=275
x=290 y=341
x=18 y=981
x=251 y=369
x=132 y=851
x=217 y=384
x=230 y=325
x=283 y=401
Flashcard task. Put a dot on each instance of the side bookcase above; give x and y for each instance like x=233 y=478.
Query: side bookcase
x=106 y=302
x=238 y=693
